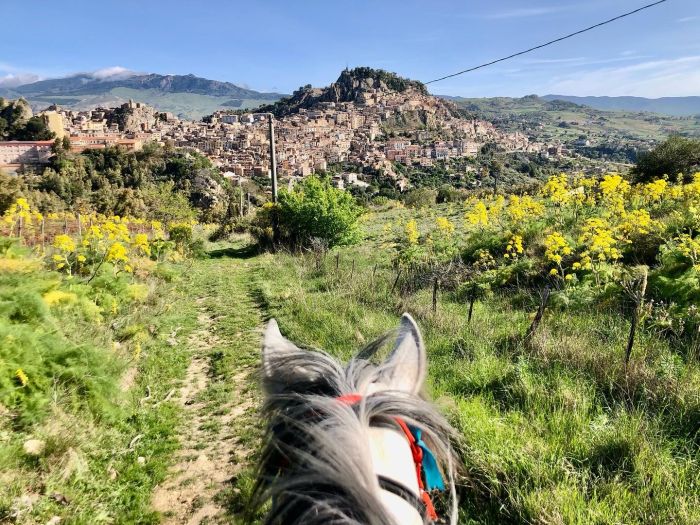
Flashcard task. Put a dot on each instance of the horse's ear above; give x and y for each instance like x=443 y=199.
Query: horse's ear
x=406 y=367
x=280 y=359
x=274 y=347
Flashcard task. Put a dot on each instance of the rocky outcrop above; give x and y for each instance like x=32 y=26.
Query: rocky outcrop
x=357 y=85
x=133 y=117
x=16 y=111
x=206 y=193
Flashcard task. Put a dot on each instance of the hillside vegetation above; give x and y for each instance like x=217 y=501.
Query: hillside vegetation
x=87 y=321
x=155 y=183
x=676 y=106
x=562 y=327
x=561 y=424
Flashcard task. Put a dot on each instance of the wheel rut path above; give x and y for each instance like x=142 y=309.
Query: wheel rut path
x=219 y=398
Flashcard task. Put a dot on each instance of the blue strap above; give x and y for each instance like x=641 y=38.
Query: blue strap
x=431 y=472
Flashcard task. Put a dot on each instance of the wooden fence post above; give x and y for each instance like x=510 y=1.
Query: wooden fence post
x=638 y=296
x=436 y=283
x=396 y=281
x=538 y=316
x=472 y=300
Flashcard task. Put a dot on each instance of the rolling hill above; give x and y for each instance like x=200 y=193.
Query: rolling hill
x=591 y=132
x=674 y=106
x=188 y=96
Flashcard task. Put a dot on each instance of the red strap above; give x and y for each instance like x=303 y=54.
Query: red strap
x=418 y=461
x=416 y=451
x=429 y=508
x=349 y=399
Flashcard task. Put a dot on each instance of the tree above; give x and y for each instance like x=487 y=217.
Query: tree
x=675 y=155
x=315 y=209
x=421 y=197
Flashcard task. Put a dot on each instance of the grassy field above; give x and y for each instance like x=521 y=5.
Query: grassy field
x=76 y=430
x=128 y=398
x=131 y=397
x=556 y=431
x=562 y=426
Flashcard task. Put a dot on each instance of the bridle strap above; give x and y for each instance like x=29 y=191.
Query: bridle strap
x=425 y=506
x=402 y=491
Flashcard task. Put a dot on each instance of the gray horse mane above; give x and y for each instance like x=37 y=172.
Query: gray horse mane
x=315 y=466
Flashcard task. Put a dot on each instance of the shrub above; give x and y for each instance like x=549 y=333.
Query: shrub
x=675 y=155
x=315 y=209
x=421 y=198
x=448 y=193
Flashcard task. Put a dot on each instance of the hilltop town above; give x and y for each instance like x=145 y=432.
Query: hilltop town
x=367 y=118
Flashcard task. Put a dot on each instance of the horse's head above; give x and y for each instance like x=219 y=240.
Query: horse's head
x=354 y=443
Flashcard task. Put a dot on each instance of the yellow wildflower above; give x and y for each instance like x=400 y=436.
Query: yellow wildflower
x=59 y=296
x=21 y=377
x=514 y=247
x=557 y=189
x=64 y=243
x=140 y=242
x=412 y=233
x=116 y=253
x=556 y=247
x=445 y=226
x=600 y=239
x=654 y=191
x=479 y=215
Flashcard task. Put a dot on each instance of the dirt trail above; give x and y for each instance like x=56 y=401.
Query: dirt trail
x=220 y=414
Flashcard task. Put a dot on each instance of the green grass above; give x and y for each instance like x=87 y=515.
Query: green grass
x=556 y=431
x=74 y=354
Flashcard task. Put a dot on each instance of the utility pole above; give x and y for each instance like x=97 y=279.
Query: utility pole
x=273 y=160
x=240 y=191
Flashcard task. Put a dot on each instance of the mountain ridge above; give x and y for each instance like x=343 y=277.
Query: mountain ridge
x=188 y=96
x=86 y=84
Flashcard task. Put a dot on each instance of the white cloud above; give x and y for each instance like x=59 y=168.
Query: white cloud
x=12 y=76
x=112 y=73
x=657 y=78
x=687 y=19
x=11 y=80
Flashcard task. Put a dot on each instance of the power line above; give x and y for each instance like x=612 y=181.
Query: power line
x=547 y=43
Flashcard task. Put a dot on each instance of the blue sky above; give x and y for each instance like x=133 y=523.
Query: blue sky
x=278 y=45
